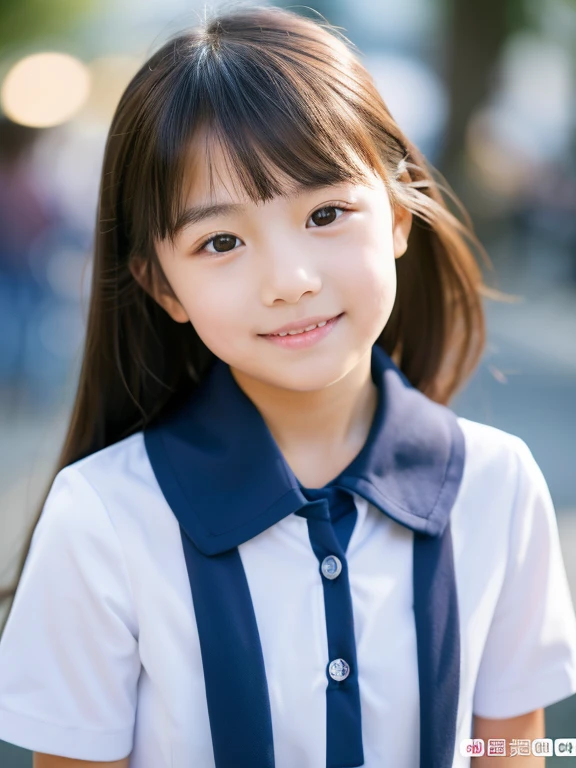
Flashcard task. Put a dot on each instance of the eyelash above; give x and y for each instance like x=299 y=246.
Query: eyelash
x=336 y=204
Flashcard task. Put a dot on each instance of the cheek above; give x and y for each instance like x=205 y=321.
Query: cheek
x=370 y=281
x=214 y=310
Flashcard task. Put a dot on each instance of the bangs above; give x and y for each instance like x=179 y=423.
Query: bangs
x=277 y=128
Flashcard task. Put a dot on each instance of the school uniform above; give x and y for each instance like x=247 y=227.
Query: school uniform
x=187 y=601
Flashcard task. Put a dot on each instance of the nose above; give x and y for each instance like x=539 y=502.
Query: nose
x=287 y=274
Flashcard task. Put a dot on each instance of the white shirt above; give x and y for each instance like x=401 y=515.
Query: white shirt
x=101 y=658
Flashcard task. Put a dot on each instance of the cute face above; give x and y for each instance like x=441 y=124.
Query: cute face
x=241 y=271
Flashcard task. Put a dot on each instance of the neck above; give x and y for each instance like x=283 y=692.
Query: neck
x=318 y=432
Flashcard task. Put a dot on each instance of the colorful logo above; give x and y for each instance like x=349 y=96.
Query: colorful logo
x=473 y=747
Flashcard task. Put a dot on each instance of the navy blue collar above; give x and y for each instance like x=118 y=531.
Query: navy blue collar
x=225 y=478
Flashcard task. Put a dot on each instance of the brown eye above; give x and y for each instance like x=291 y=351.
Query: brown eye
x=324 y=215
x=327 y=214
x=222 y=243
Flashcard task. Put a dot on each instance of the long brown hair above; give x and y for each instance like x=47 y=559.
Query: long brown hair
x=280 y=93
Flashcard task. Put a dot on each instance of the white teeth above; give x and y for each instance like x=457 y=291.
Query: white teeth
x=308 y=328
x=295 y=333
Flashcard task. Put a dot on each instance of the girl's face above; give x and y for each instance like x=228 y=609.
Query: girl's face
x=244 y=272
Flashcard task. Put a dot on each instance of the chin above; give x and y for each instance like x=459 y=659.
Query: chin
x=310 y=376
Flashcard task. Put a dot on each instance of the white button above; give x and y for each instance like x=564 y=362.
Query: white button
x=338 y=670
x=331 y=567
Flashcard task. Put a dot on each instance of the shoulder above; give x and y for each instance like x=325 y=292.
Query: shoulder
x=116 y=489
x=502 y=485
x=488 y=440
x=121 y=459
x=80 y=500
x=94 y=493
x=116 y=472
x=493 y=455
x=504 y=500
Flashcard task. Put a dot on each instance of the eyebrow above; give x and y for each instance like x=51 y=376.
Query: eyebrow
x=198 y=213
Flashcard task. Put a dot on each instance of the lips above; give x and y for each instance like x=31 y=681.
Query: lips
x=299 y=340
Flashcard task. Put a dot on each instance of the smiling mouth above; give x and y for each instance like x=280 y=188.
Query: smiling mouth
x=305 y=337
x=306 y=329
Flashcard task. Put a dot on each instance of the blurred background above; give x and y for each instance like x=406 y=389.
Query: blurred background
x=486 y=88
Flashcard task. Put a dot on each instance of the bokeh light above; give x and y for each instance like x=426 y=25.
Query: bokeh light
x=45 y=89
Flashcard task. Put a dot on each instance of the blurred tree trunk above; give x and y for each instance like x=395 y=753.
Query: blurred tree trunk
x=477 y=31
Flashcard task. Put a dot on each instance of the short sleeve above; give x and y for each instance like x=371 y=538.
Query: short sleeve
x=69 y=660
x=529 y=659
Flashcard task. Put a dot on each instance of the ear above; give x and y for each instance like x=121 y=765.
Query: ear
x=402 y=223
x=166 y=298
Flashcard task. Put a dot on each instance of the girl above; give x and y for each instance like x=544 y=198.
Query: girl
x=269 y=541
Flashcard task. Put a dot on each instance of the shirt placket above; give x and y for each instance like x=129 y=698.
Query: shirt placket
x=329 y=535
